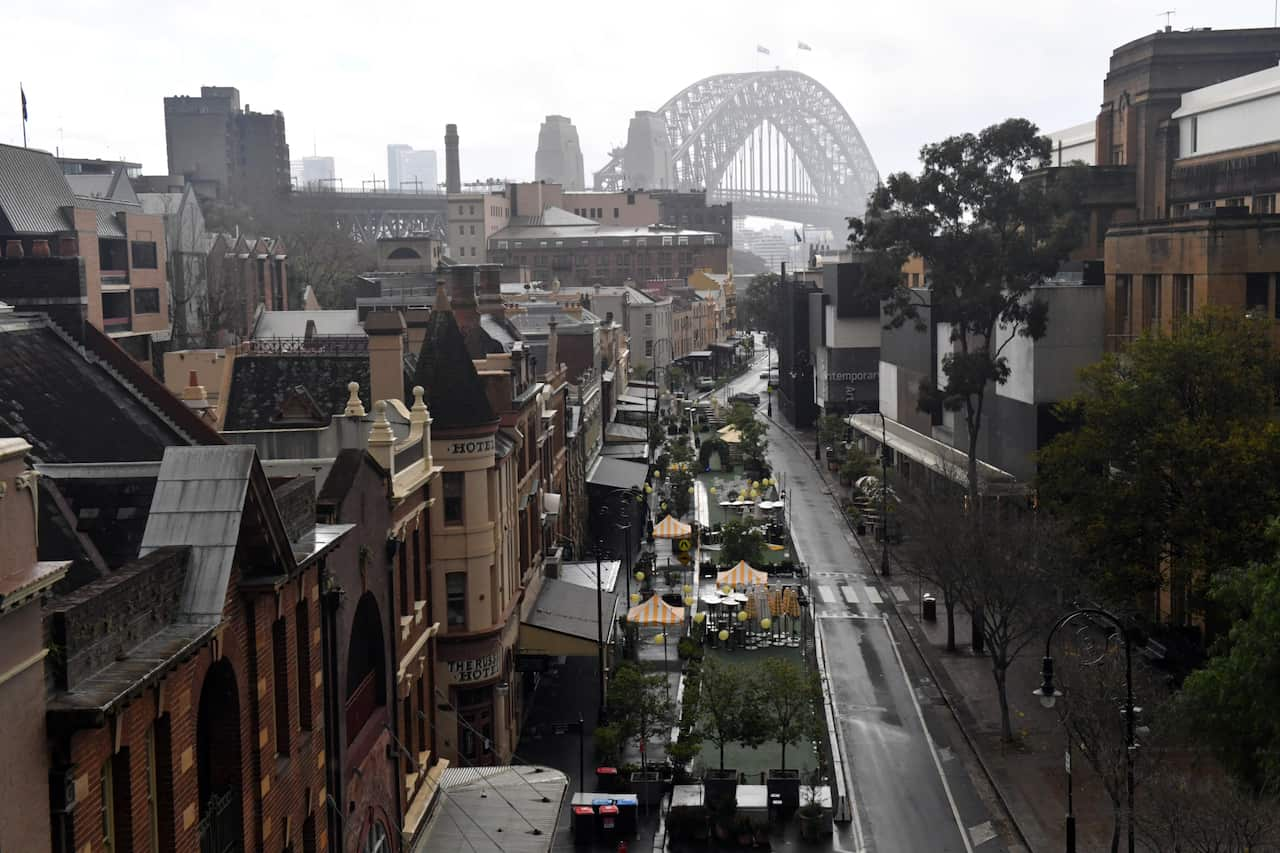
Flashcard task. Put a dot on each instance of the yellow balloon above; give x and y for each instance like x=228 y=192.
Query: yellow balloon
x=660 y=639
x=657 y=473
x=723 y=635
x=688 y=601
x=691 y=490
x=640 y=576
x=713 y=490
x=648 y=490
x=727 y=590
x=742 y=616
x=699 y=618
x=635 y=598
x=688 y=589
x=766 y=623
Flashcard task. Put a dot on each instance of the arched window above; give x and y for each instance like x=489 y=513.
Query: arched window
x=366 y=667
x=404 y=253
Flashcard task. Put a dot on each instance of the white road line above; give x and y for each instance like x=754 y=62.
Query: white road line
x=873 y=594
x=933 y=749
x=899 y=593
x=848 y=593
x=825 y=593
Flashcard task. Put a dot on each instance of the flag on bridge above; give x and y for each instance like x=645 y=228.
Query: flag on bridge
x=799 y=239
x=762 y=49
x=803 y=46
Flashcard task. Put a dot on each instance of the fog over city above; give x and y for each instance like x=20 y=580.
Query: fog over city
x=352 y=77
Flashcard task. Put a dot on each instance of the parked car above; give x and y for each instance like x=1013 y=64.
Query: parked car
x=706 y=383
x=745 y=397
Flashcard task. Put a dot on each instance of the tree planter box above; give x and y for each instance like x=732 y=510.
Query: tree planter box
x=786 y=784
x=647 y=785
x=719 y=785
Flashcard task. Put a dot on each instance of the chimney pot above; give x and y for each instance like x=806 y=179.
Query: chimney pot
x=39 y=248
x=13 y=249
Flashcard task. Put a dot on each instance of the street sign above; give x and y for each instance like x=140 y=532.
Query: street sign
x=685 y=545
x=684 y=557
x=1068 y=762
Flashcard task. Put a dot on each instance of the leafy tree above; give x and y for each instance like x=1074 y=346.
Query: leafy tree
x=639 y=706
x=760 y=304
x=1231 y=701
x=752 y=442
x=987 y=238
x=739 y=540
x=726 y=710
x=1170 y=473
x=787 y=695
x=831 y=431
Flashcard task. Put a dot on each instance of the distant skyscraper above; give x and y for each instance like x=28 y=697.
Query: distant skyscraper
x=410 y=169
x=317 y=172
x=559 y=157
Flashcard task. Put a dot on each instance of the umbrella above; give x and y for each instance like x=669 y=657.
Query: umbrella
x=671 y=528
x=742 y=575
x=655 y=611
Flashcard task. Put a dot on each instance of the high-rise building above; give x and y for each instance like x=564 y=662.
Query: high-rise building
x=559 y=157
x=224 y=151
x=411 y=170
x=317 y=172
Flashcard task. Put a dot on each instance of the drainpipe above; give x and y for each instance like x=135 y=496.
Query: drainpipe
x=392 y=666
x=330 y=598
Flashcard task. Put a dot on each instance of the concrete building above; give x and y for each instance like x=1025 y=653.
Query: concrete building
x=1074 y=144
x=188 y=245
x=411 y=170
x=99 y=255
x=225 y=152
x=318 y=173
x=474 y=217
x=559 y=156
x=844 y=337
x=646 y=161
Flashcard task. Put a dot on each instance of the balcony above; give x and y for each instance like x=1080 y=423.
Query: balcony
x=221 y=828
x=114 y=278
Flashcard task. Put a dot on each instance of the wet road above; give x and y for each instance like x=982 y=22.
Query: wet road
x=910 y=792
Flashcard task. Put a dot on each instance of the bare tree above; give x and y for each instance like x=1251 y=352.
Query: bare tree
x=937 y=547
x=1011 y=587
x=1195 y=807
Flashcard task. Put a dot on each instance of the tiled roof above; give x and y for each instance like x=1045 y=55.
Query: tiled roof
x=49 y=391
x=455 y=394
x=32 y=191
x=260 y=385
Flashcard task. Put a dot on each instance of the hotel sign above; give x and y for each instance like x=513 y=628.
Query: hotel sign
x=476 y=669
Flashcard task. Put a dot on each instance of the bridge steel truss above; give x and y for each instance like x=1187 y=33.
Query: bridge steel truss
x=367 y=216
x=823 y=173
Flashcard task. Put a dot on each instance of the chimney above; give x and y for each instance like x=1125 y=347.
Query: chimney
x=386 y=354
x=490 y=299
x=416 y=319
x=452 y=176
x=195 y=397
x=553 y=349
x=462 y=296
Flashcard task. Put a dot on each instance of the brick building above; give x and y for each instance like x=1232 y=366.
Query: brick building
x=244 y=274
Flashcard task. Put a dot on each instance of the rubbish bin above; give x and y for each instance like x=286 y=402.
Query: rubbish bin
x=628 y=816
x=583 y=825
x=607 y=779
x=607 y=824
x=929 y=605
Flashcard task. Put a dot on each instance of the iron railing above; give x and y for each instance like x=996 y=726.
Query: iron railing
x=221 y=829
x=314 y=345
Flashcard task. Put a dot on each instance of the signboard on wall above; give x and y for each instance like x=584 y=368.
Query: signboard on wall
x=477 y=669
x=853 y=378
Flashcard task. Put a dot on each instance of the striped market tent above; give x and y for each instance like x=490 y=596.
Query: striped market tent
x=742 y=575
x=672 y=528
x=655 y=611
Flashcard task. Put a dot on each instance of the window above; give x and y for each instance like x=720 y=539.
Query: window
x=1195 y=133
x=280 y=675
x=473 y=230
x=708 y=241
x=455 y=589
x=1178 y=211
x=302 y=624
x=648 y=349
x=648 y=318
x=146 y=300
x=1151 y=301
x=144 y=255
x=1117 y=155
x=462 y=230
x=106 y=807
x=1124 y=287
x=502 y=244
x=473 y=251
x=1236 y=201
x=1255 y=291
x=666 y=241
x=1204 y=205
x=915 y=279
x=471 y=210
x=682 y=241
x=452 y=483
x=615 y=213
x=1182 y=295
x=1264 y=204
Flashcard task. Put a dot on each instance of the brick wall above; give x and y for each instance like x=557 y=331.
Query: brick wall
x=55 y=286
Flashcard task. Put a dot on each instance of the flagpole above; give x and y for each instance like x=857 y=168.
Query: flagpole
x=23 y=92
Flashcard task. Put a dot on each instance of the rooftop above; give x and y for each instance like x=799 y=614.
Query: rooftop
x=455 y=394
x=270 y=392
x=304 y=324
x=1237 y=90
x=32 y=192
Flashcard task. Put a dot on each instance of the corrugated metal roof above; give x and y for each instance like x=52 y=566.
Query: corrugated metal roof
x=32 y=191
x=199 y=499
x=108 y=216
x=293 y=324
x=570 y=609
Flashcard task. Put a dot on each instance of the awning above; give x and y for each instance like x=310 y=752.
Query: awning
x=617 y=473
x=655 y=611
x=729 y=435
x=624 y=433
x=742 y=575
x=638 y=452
x=551 y=503
x=938 y=457
x=702 y=353
x=568 y=611
x=672 y=528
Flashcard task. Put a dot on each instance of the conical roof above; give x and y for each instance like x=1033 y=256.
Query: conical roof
x=454 y=391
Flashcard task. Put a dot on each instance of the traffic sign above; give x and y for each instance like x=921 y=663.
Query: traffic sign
x=684 y=557
x=684 y=545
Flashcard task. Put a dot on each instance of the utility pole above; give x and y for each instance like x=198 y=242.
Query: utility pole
x=884 y=497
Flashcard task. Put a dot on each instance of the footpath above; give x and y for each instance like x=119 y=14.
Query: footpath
x=1028 y=777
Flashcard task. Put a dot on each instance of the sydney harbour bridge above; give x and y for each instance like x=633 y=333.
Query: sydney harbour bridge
x=775 y=143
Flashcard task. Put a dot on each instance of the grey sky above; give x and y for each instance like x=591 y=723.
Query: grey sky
x=353 y=77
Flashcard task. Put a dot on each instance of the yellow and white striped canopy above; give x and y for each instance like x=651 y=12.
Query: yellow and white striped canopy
x=742 y=575
x=655 y=611
x=672 y=528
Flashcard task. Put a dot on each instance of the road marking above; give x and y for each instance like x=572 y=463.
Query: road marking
x=873 y=594
x=825 y=593
x=900 y=593
x=982 y=832
x=933 y=749
x=847 y=592
x=853 y=616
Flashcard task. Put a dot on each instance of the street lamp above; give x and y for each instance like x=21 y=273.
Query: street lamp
x=1048 y=695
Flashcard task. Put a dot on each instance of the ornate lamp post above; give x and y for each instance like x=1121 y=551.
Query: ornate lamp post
x=1048 y=695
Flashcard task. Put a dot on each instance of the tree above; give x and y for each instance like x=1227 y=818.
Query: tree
x=760 y=304
x=752 y=442
x=1199 y=809
x=1011 y=587
x=639 y=705
x=938 y=544
x=831 y=431
x=726 y=712
x=740 y=540
x=1169 y=474
x=1231 y=701
x=787 y=694
x=986 y=238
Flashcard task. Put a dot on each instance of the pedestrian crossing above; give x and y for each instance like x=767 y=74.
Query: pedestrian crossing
x=858 y=594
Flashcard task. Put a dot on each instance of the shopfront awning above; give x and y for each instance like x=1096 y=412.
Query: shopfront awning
x=638 y=452
x=942 y=459
x=617 y=473
x=672 y=528
x=564 y=620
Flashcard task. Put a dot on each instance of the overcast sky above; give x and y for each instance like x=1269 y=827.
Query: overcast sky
x=352 y=77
